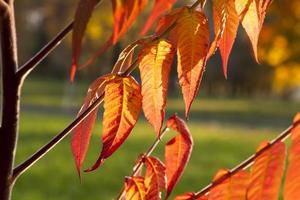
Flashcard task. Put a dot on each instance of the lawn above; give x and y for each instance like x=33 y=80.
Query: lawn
x=225 y=132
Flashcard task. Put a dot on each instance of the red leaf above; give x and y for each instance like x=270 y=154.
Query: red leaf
x=177 y=152
x=292 y=180
x=160 y=6
x=233 y=188
x=82 y=16
x=225 y=15
x=155 y=178
x=82 y=132
x=266 y=173
x=122 y=107
x=135 y=188
x=192 y=46
x=155 y=60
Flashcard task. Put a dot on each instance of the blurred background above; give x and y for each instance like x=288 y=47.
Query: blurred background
x=228 y=119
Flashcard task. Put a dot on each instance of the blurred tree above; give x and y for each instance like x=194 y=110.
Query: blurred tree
x=280 y=45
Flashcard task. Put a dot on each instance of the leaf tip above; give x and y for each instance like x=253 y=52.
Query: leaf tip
x=98 y=163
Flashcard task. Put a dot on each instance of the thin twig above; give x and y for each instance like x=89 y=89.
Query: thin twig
x=248 y=162
x=27 y=67
x=44 y=52
x=139 y=164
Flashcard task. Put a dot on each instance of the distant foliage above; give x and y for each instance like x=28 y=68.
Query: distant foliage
x=184 y=31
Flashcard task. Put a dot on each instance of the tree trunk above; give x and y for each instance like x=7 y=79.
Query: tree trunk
x=10 y=103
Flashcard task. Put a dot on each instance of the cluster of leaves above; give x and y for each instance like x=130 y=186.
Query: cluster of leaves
x=265 y=176
x=184 y=31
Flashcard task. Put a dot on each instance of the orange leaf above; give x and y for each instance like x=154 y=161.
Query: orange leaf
x=155 y=178
x=82 y=16
x=266 y=173
x=252 y=15
x=122 y=106
x=125 y=13
x=192 y=46
x=178 y=151
x=233 y=188
x=225 y=15
x=155 y=62
x=165 y=22
x=292 y=180
x=83 y=131
x=135 y=188
x=160 y=6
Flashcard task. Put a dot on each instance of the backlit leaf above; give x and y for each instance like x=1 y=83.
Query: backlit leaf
x=292 y=180
x=82 y=16
x=155 y=61
x=160 y=6
x=125 y=13
x=233 y=188
x=192 y=45
x=252 y=15
x=83 y=131
x=122 y=106
x=155 y=178
x=135 y=188
x=266 y=173
x=225 y=15
x=177 y=151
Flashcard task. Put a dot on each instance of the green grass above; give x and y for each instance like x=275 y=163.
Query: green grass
x=225 y=132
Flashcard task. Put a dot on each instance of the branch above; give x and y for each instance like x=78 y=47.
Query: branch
x=45 y=51
x=248 y=162
x=4 y=8
x=139 y=164
x=46 y=148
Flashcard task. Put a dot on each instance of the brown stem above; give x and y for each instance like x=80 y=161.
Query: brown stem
x=45 y=51
x=139 y=164
x=248 y=162
x=10 y=105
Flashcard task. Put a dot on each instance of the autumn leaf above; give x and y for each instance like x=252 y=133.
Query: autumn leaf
x=160 y=6
x=167 y=21
x=177 y=151
x=266 y=173
x=135 y=188
x=252 y=15
x=292 y=180
x=122 y=106
x=233 y=188
x=155 y=60
x=225 y=14
x=82 y=16
x=83 y=131
x=192 y=46
x=155 y=178
x=125 y=13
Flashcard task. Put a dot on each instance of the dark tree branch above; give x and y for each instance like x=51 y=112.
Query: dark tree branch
x=52 y=143
x=248 y=162
x=44 y=52
x=10 y=105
